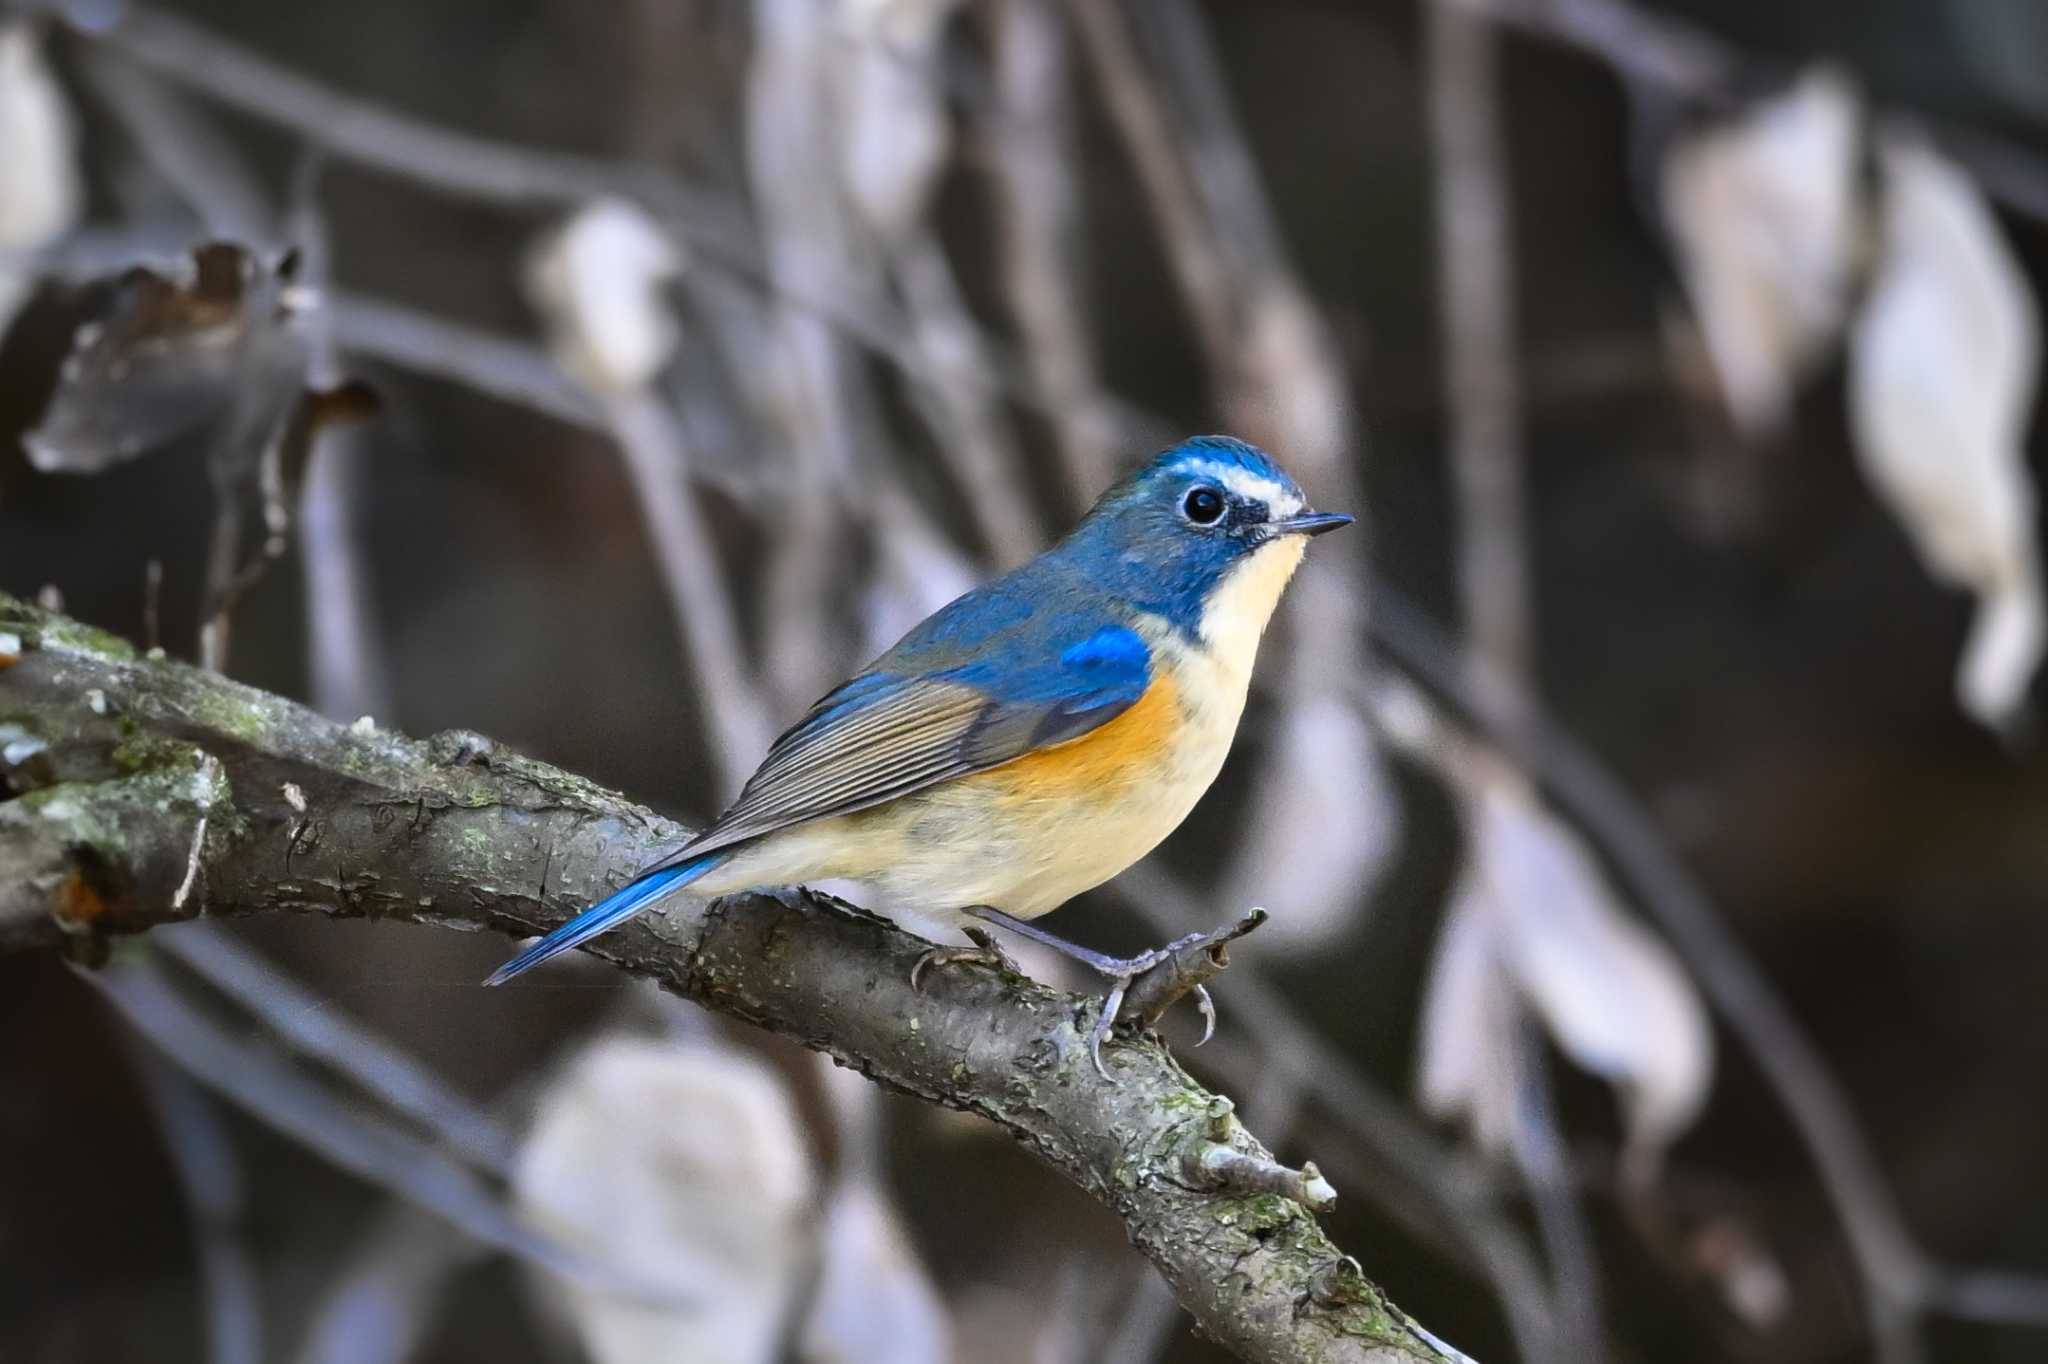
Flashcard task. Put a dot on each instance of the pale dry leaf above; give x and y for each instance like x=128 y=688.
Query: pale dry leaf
x=1533 y=919
x=598 y=282
x=1610 y=992
x=41 y=192
x=685 y=1163
x=215 y=339
x=873 y=1298
x=1469 y=1067
x=216 y=348
x=1763 y=211
x=1943 y=367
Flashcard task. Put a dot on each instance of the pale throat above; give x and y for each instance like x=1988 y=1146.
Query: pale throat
x=1236 y=613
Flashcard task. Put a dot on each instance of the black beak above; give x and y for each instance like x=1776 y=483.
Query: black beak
x=1310 y=523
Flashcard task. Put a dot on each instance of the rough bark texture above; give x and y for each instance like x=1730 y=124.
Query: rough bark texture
x=140 y=791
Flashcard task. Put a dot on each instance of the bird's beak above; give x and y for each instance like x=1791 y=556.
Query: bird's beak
x=1310 y=523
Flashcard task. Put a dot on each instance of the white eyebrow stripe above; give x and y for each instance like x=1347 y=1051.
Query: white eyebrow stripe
x=1278 y=499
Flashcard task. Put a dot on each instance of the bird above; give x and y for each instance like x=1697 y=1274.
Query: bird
x=1030 y=739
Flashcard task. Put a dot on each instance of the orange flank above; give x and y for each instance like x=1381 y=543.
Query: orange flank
x=1101 y=762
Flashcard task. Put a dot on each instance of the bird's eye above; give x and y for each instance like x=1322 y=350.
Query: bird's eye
x=1203 y=506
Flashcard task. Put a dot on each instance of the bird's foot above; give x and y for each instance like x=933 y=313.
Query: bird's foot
x=1147 y=985
x=985 y=952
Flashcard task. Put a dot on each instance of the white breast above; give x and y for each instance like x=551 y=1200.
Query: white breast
x=1243 y=603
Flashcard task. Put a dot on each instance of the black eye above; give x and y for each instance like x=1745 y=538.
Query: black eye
x=1204 y=506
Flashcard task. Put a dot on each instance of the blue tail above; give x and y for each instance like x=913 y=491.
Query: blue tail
x=609 y=913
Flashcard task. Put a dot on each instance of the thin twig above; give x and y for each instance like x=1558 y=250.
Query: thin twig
x=1224 y=172
x=1177 y=212
x=1032 y=153
x=274 y=1093
x=516 y=372
x=1539 y=1156
x=967 y=420
x=319 y=1030
x=1476 y=314
x=184 y=147
x=209 y=1172
x=651 y=440
x=345 y=653
x=381 y=1306
x=367 y=132
x=811 y=389
x=1994 y=1296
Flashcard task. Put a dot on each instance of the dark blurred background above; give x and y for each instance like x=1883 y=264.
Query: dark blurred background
x=1732 y=621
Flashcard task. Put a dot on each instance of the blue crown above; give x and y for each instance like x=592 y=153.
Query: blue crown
x=1227 y=451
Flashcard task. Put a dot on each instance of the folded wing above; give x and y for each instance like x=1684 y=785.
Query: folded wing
x=886 y=734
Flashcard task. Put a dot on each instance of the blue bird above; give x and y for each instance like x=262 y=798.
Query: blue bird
x=1030 y=739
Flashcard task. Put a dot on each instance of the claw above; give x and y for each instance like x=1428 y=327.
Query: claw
x=985 y=952
x=1155 y=994
x=1104 y=1021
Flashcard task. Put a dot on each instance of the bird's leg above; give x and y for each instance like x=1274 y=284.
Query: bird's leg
x=986 y=952
x=1121 y=971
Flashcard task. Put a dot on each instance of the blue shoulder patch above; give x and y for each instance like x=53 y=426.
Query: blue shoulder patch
x=1113 y=665
x=1112 y=649
x=1108 y=667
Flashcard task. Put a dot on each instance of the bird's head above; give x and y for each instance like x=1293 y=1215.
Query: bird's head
x=1206 y=534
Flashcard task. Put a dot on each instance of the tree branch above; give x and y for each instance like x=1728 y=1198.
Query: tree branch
x=138 y=775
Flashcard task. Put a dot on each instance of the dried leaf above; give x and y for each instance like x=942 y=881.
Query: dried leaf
x=1943 y=367
x=680 y=1161
x=1611 y=993
x=873 y=1300
x=41 y=193
x=1533 y=919
x=1468 y=1064
x=598 y=281
x=216 y=346
x=1764 y=215
x=216 y=339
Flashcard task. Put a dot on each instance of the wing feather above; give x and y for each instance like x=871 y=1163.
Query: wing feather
x=884 y=734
